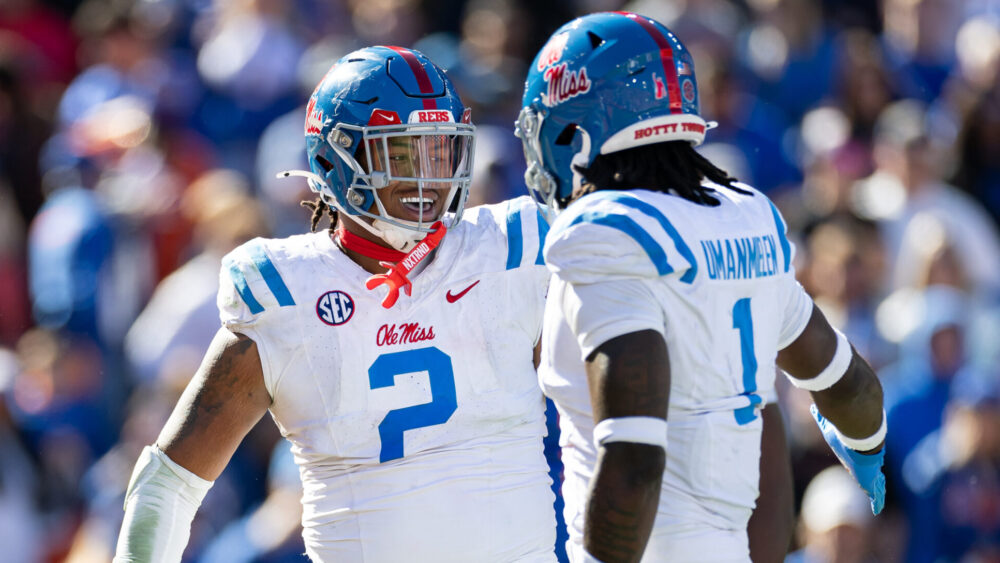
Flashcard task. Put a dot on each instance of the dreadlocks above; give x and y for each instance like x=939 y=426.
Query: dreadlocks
x=673 y=165
x=320 y=208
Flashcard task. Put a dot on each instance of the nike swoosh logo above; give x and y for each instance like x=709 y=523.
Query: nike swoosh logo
x=453 y=298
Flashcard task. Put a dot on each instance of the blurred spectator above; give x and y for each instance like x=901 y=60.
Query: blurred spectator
x=750 y=124
x=20 y=518
x=790 y=52
x=978 y=172
x=954 y=475
x=906 y=189
x=835 y=521
x=843 y=270
x=270 y=532
x=45 y=46
x=248 y=58
x=919 y=44
x=69 y=248
x=170 y=336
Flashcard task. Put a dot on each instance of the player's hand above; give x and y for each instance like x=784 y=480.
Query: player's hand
x=865 y=468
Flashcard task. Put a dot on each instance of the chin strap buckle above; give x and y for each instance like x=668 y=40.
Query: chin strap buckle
x=396 y=278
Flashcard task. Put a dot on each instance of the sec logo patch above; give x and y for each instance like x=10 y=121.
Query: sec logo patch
x=335 y=308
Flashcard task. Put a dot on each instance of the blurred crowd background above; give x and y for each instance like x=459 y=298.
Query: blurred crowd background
x=139 y=141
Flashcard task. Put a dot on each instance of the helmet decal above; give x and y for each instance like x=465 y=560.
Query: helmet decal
x=633 y=68
x=563 y=85
x=314 y=118
x=661 y=88
x=666 y=57
x=420 y=73
x=384 y=117
x=552 y=51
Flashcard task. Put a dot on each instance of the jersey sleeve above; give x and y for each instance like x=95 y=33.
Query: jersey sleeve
x=614 y=235
x=601 y=311
x=250 y=284
x=798 y=311
x=251 y=289
x=787 y=247
x=525 y=229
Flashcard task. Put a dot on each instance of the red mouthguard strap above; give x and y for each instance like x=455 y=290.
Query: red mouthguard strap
x=396 y=278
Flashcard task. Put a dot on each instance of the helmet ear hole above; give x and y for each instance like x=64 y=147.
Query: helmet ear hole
x=326 y=164
x=595 y=40
x=566 y=135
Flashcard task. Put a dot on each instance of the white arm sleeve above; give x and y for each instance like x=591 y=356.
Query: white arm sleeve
x=160 y=504
x=598 y=312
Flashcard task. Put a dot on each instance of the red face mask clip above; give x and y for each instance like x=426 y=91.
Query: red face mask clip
x=396 y=278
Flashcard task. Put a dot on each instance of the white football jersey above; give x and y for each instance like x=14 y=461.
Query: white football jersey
x=417 y=429
x=718 y=283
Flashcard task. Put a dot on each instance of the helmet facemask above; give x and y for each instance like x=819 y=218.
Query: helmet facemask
x=432 y=157
x=541 y=184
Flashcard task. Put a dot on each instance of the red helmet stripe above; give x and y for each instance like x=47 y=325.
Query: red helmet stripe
x=423 y=80
x=666 y=56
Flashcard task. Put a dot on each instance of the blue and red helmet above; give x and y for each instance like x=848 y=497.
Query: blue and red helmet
x=603 y=83
x=379 y=99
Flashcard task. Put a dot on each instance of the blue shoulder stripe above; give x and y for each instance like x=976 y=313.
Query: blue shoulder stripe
x=515 y=239
x=632 y=229
x=240 y=281
x=543 y=231
x=786 y=248
x=647 y=209
x=271 y=275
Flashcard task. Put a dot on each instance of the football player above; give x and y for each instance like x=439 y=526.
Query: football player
x=394 y=351
x=673 y=297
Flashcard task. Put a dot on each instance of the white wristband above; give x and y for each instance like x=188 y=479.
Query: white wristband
x=865 y=444
x=637 y=429
x=832 y=373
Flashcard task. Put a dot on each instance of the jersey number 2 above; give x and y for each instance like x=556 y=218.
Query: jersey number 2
x=744 y=324
x=383 y=373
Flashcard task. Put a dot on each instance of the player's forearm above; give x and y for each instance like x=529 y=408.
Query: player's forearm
x=854 y=404
x=160 y=504
x=773 y=521
x=621 y=506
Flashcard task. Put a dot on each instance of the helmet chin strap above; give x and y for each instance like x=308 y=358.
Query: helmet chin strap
x=402 y=239
x=581 y=159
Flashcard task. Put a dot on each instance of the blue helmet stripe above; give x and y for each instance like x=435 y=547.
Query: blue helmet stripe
x=632 y=229
x=668 y=227
x=271 y=275
x=515 y=239
x=786 y=248
x=543 y=231
x=240 y=281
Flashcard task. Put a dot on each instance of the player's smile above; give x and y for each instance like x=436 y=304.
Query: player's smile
x=411 y=204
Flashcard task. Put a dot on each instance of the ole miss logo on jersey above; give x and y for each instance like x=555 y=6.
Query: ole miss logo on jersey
x=405 y=333
x=335 y=308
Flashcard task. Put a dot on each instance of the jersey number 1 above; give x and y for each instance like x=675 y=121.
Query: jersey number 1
x=383 y=373
x=744 y=324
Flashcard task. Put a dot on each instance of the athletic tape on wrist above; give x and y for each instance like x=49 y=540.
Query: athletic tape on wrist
x=832 y=373
x=636 y=429
x=160 y=503
x=865 y=444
